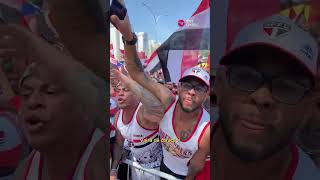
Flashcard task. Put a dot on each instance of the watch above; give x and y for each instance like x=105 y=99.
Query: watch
x=132 y=42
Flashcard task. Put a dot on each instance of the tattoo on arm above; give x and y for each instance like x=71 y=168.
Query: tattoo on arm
x=185 y=134
x=138 y=63
x=151 y=103
x=135 y=63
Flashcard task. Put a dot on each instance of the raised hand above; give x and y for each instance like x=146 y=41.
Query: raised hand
x=118 y=76
x=123 y=25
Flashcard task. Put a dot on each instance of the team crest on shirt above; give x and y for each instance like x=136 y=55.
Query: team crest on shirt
x=173 y=147
x=275 y=29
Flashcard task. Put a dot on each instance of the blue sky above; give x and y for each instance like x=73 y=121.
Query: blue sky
x=169 y=12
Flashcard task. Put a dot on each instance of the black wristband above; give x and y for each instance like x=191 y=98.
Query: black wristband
x=132 y=42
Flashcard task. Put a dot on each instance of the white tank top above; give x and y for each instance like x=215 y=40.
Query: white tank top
x=35 y=162
x=143 y=143
x=176 y=153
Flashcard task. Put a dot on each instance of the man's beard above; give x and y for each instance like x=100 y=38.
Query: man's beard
x=187 y=110
x=247 y=153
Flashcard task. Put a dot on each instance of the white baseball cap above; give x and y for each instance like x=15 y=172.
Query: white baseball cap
x=198 y=73
x=277 y=33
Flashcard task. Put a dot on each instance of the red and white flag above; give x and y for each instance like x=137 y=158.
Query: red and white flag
x=181 y=50
x=122 y=53
x=112 y=57
x=152 y=62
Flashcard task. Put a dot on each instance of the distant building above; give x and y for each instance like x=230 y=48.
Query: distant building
x=153 y=45
x=143 y=44
x=115 y=39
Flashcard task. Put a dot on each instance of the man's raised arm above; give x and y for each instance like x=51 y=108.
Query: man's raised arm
x=153 y=110
x=134 y=66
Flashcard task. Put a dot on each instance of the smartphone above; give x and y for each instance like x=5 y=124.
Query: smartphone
x=118 y=9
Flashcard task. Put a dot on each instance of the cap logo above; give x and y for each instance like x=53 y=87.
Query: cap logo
x=276 y=29
x=195 y=71
x=307 y=51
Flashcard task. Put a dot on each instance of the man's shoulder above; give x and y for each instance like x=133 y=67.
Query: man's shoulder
x=306 y=169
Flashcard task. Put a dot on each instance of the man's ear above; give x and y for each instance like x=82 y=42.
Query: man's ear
x=219 y=82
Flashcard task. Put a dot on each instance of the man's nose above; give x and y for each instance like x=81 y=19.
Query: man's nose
x=263 y=97
x=36 y=100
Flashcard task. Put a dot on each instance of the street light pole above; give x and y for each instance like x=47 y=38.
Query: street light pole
x=155 y=18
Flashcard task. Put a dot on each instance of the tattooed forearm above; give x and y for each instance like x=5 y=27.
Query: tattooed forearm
x=138 y=64
x=133 y=60
x=151 y=103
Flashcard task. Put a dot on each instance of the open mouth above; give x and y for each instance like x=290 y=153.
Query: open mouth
x=34 y=124
x=120 y=100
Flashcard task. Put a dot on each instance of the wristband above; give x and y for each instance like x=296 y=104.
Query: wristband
x=132 y=42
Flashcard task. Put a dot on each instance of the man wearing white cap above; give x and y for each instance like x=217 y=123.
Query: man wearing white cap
x=263 y=91
x=185 y=127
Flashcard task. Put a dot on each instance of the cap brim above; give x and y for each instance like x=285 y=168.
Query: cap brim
x=228 y=58
x=195 y=77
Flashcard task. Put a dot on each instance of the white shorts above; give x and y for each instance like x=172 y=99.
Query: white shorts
x=138 y=174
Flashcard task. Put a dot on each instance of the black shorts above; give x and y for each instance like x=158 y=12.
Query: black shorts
x=165 y=169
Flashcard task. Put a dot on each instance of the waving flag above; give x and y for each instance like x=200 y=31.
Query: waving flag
x=113 y=60
x=181 y=50
x=152 y=62
x=111 y=51
x=34 y=15
x=122 y=52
